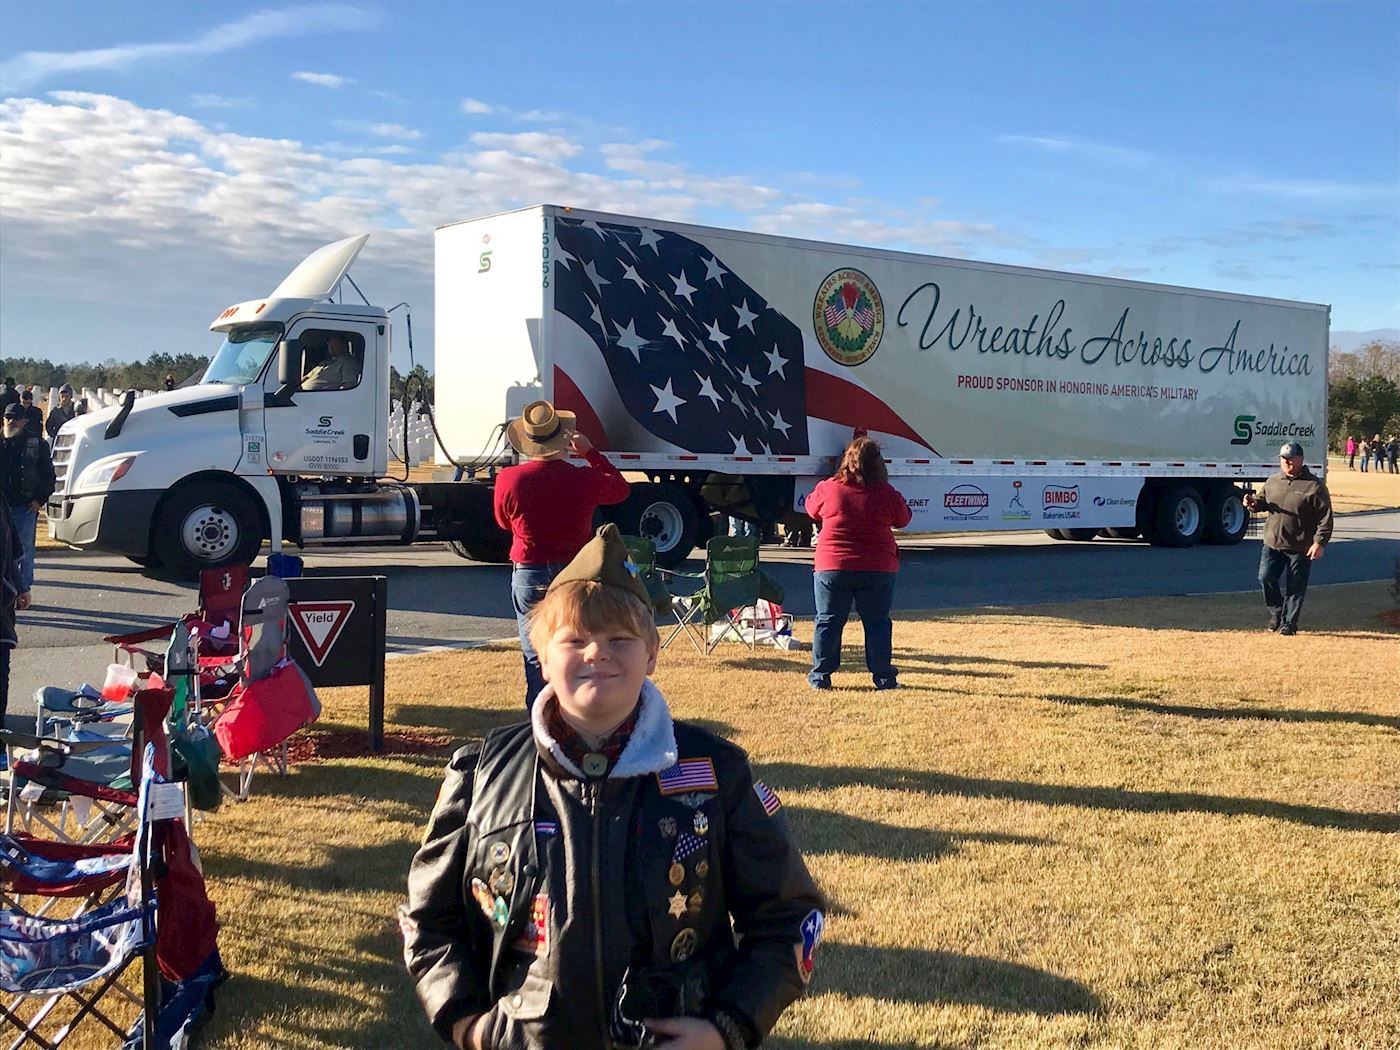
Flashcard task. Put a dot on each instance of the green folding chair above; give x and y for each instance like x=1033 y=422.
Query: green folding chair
x=642 y=553
x=731 y=582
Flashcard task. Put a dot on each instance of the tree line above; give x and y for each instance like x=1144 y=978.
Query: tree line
x=150 y=374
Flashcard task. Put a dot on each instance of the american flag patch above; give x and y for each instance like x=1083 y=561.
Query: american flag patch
x=689 y=774
x=766 y=796
x=546 y=827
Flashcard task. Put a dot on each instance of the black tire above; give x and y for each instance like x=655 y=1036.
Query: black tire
x=1056 y=534
x=148 y=562
x=1122 y=534
x=1080 y=535
x=1179 y=518
x=492 y=548
x=207 y=525
x=664 y=513
x=1226 y=518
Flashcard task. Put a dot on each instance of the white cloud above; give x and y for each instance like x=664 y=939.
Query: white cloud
x=34 y=67
x=395 y=131
x=326 y=80
x=475 y=107
x=539 y=116
x=1303 y=189
x=530 y=143
x=1071 y=146
x=220 y=102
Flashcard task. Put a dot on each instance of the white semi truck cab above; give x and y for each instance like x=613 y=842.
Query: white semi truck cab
x=284 y=436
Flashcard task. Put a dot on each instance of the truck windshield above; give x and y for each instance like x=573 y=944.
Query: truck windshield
x=245 y=351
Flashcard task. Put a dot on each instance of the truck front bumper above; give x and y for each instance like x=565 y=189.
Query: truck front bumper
x=110 y=521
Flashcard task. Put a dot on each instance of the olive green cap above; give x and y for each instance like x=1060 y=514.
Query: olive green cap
x=604 y=559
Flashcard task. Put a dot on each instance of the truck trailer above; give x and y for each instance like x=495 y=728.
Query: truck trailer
x=725 y=371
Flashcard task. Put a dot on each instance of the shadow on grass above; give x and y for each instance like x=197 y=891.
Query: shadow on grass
x=912 y=975
x=795 y=776
x=462 y=721
x=380 y=867
x=1263 y=714
x=822 y=831
x=912 y=655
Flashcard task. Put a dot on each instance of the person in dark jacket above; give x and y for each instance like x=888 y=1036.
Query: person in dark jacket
x=604 y=876
x=12 y=597
x=547 y=506
x=8 y=394
x=33 y=417
x=856 y=562
x=60 y=413
x=26 y=481
x=1296 y=532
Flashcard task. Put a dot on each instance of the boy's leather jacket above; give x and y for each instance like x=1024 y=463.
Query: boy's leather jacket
x=569 y=908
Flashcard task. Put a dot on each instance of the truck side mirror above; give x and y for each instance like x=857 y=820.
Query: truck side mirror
x=288 y=373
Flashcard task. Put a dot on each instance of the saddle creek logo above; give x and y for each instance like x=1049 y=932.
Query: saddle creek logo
x=1247 y=428
x=966 y=503
x=848 y=317
x=1060 y=502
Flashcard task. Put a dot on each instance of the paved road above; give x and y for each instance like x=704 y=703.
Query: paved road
x=436 y=599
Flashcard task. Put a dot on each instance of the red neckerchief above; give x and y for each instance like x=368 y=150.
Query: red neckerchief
x=572 y=744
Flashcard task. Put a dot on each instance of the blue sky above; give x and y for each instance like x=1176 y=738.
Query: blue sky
x=159 y=162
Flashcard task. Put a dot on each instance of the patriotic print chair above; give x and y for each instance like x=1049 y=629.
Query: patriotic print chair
x=730 y=582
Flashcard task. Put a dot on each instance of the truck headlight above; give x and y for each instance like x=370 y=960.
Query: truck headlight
x=103 y=472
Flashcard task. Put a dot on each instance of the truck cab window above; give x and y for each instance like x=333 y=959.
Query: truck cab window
x=245 y=351
x=331 y=360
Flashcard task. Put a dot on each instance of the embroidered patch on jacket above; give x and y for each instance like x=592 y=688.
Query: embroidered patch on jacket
x=771 y=802
x=812 y=927
x=546 y=827
x=534 y=937
x=689 y=774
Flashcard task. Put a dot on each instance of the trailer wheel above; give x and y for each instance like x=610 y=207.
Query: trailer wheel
x=1056 y=534
x=663 y=513
x=1179 y=518
x=1122 y=534
x=206 y=525
x=1080 y=535
x=1226 y=518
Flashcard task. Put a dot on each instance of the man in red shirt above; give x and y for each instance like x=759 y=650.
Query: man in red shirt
x=548 y=505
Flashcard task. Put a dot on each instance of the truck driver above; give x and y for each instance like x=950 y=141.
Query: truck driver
x=338 y=371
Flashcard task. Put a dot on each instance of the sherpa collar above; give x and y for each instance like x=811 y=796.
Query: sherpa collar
x=651 y=749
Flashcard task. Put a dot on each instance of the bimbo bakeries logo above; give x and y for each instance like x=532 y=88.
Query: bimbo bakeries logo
x=848 y=317
x=1060 y=501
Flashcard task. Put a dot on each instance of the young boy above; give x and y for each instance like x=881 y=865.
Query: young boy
x=603 y=876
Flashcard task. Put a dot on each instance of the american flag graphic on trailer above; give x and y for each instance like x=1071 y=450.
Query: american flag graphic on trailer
x=697 y=355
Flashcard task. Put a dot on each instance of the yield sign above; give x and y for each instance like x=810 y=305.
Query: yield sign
x=320 y=624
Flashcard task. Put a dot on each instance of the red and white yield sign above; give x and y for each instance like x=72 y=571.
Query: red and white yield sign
x=319 y=624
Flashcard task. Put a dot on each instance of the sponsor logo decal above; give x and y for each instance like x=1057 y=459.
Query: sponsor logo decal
x=848 y=317
x=1016 y=510
x=1113 y=501
x=1060 y=502
x=965 y=501
x=1247 y=428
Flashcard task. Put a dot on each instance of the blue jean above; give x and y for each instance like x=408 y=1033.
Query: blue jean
x=741 y=529
x=528 y=584
x=872 y=593
x=26 y=521
x=1284 y=577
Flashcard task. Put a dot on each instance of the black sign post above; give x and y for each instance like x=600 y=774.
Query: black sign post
x=337 y=636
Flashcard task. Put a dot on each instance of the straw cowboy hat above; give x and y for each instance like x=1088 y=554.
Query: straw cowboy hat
x=541 y=431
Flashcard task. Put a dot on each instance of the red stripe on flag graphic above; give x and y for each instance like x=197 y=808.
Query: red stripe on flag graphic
x=838 y=401
x=569 y=397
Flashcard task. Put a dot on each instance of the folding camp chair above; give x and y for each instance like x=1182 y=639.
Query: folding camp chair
x=730 y=581
x=273 y=697
x=215 y=621
x=642 y=554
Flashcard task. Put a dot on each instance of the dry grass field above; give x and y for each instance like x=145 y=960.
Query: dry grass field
x=1115 y=824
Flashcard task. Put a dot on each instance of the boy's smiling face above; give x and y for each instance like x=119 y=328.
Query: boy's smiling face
x=597 y=675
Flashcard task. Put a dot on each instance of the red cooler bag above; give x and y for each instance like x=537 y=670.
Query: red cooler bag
x=264 y=713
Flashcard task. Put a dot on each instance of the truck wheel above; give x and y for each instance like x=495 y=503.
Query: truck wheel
x=207 y=525
x=1226 y=519
x=1080 y=535
x=1180 y=517
x=491 y=548
x=1056 y=534
x=1122 y=534
x=663 y=513
x=149 y=561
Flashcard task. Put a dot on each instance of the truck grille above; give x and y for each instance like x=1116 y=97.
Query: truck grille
x=62 y=458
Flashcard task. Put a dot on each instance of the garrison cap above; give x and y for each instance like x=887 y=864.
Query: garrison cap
x=1290 y=450
x=604 y=559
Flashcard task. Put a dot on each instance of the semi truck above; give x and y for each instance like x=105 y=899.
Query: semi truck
x=724 y=371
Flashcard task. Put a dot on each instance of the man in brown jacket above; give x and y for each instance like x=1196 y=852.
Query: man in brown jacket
x=1298 y=528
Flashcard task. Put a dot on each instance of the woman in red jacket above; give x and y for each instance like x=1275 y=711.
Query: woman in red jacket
x=856 y=561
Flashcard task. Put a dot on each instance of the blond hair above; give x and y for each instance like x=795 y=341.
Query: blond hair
x=587 y=605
